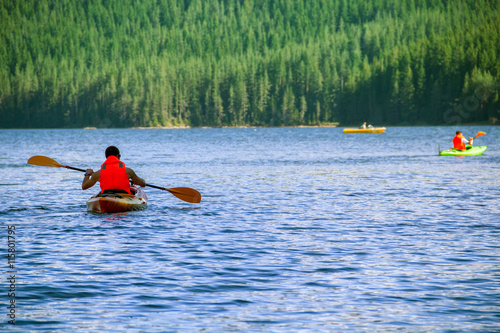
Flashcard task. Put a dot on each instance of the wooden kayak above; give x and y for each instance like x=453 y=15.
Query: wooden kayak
x=365 y=130
x=470 y=151
x=118 y=202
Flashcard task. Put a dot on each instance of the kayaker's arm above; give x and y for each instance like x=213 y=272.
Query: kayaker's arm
x=136 y=179
x=465 y=141
x=90 y=179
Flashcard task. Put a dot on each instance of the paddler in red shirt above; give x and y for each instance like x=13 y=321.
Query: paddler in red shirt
x=459 y=141
x=113 y=176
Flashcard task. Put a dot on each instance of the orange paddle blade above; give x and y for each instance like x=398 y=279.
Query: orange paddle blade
x=185 y=193
x=44 y=161
x=480 y=134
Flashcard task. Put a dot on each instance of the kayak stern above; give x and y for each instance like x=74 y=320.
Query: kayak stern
x=118 y=202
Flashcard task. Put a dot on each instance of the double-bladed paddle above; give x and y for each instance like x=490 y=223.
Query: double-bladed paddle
x=184 y=193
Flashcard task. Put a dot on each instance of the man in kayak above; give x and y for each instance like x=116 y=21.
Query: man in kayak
x=459 y=141
x=113 y=176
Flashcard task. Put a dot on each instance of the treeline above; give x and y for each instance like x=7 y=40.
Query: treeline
x=120 y=63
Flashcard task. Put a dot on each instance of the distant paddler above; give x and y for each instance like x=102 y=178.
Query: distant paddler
x=365 y=127
x=460 y=142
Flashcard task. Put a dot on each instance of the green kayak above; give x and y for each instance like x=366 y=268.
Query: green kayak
x=470 y=151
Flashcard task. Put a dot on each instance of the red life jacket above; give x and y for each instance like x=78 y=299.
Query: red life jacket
x=457 y=142
x=114 y=175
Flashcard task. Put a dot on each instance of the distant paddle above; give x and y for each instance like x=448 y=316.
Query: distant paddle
x=479 y=134
x=184 y=193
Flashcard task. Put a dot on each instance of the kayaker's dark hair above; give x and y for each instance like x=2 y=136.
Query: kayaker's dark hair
x=458 y=132
x=112 y=151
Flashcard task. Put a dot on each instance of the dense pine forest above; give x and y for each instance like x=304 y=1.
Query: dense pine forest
x=125 y=63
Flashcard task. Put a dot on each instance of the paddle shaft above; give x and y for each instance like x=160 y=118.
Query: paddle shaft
x=185 y=194
x=158 y=187
x=77 y=169
x=153 y=186
x=73 y=168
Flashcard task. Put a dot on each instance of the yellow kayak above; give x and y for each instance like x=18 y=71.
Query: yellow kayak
x=365 y=130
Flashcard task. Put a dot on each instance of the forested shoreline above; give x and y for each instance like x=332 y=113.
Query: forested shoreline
x=110 y=63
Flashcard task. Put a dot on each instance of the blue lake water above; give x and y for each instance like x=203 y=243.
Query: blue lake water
x=299 y=230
